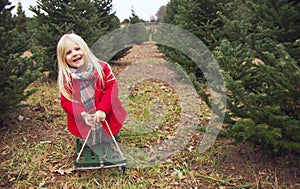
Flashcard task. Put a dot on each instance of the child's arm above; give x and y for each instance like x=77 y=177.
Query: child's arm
x=110 y=90
x=71 y=108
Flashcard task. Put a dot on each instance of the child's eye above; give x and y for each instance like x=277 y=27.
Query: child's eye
x=77 y=48
x=68 y=52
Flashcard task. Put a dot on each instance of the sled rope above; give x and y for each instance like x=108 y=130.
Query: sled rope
x=77 y=159
x=118 y=148
x=114 y=139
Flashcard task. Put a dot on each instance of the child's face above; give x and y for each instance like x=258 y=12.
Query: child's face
x=74 y=55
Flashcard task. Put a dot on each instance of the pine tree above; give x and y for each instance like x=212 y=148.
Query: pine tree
x=134 y=19
x=263 y=81
x=20 y=19
x=16 y=71
x=89 y=19
x=200 y=18
x=257 y=45
x=110 y=20
x=122 y=39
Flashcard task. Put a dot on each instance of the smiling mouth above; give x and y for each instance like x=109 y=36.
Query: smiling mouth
x=77 y=59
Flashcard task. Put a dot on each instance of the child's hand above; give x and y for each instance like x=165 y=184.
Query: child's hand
x=88 y=118
x=99 y=116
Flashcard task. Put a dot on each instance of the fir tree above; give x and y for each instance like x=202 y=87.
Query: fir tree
x=128 y=36
x=257 y=44
x=263 y=79
x=89 y=19
x=20 y=19
x=134 y=19
x=16 y=71
x=110 y=20
x=200 y=18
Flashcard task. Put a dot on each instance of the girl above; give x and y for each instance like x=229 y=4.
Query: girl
x=88 y=88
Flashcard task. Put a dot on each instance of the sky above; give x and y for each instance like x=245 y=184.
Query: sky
x=142 y=8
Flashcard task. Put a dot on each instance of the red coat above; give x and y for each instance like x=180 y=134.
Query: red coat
x=106 y=100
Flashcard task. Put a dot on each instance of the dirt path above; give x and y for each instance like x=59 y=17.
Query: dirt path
x=137 y=53
x=142 y=51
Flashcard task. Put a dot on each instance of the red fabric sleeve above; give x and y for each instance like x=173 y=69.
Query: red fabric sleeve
x=71 y=108
x=105 y=103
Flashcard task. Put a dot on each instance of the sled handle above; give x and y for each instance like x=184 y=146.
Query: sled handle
x=77 y=159
x=114 y=138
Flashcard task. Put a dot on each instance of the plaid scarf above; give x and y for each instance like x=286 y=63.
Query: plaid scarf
x=88 y=81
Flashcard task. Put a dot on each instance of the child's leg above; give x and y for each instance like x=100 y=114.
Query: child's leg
x=117 y=136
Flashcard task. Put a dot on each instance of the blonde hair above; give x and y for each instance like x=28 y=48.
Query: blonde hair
x=64 y=72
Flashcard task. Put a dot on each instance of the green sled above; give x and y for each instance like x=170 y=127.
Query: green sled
x=101 y=155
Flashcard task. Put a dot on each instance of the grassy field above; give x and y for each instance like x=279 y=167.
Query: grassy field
x=37 y=151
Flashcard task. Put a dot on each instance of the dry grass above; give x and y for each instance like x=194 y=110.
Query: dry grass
x=34 y=149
